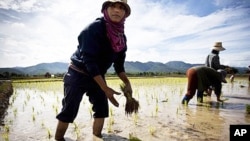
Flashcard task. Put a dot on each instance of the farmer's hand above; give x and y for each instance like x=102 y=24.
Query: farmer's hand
x=108 y=91
x=110 y=95
x=128 y=89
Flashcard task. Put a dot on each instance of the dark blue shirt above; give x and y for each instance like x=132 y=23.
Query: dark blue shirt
x=94 y=53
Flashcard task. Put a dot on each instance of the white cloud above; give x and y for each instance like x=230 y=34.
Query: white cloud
x=35 y=31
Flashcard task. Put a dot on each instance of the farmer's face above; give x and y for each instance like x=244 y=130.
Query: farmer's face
x=116 y=12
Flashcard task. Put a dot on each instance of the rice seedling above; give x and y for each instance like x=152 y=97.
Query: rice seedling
x=248 y=108
x=152 y=130
x=91 y=112
x=133 y=138
x=110 y=125
x=111 y=111
x=132 y=105
x=76 y=130
x=28 y=97
x=155 y=97
x=6 y=128
x=42 y=124
x=15 y=112
x=49 y=134
x=5 y=136
x=55 y=107
x=135 y=119
x=156 y=109
x=33 y=117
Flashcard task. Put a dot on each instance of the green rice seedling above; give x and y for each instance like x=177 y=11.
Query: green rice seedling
x=6 y=128
x=10 y=121
x=57 y=99
x=76 y=130
x=28 y=97
x=75 y=126
x=25 y=102
x=152 y=130
x=5 y=136
x=111 y=111
x=156 y=109
x=15 y=112
x=33 y=117
x=42 y=99
x=248 y=108
x=56 y=110
x=110 y=124
x=55 y=107
x=135 y=119
x=148 y=101
x=132 y=105
x=49 y=134
x=112 y=120
x=91 y=112
x=133 y=138
x=42 y=124
x=181 y=91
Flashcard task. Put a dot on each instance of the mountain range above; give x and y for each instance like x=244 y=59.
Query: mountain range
x=131 y=67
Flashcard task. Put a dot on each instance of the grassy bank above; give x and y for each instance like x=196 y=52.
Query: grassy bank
x=6 y=91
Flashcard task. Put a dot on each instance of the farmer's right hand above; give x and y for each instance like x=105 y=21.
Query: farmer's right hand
x=110 y=95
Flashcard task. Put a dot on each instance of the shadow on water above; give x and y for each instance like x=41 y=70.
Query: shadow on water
x=68 y=139
x=224 y=105
x=114 y=137
x=238 y=97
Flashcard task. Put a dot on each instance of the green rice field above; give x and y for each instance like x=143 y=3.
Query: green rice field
x=34 y=106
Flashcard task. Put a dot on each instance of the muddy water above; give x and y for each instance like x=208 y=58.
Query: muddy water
x=33 y=107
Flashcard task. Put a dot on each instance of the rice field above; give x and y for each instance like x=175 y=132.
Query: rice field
x=33 y=107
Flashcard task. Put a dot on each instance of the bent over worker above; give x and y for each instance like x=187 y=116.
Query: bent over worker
x=200 y=78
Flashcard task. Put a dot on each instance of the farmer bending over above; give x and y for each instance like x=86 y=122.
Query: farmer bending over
x=200 y=78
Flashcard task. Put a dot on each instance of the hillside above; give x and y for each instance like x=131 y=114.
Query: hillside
x=131 y=67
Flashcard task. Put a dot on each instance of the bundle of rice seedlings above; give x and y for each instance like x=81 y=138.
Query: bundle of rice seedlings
x=132 y=105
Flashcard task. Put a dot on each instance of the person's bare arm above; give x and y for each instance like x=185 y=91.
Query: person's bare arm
x=107 y=90
x=126 y=81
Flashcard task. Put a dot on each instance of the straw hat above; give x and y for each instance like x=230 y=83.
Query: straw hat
x=124 y=2
x=223 y=74
x=218 y=46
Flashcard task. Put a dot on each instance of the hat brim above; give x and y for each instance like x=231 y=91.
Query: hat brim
x=218 y=48
x=127 y=8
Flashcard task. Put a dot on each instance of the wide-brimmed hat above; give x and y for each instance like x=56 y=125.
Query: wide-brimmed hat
x=223 y=74
x=218 y=46
x=124 y=2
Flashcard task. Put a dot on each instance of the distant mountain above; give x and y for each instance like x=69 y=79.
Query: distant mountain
x=39 y=69
x=131 y=67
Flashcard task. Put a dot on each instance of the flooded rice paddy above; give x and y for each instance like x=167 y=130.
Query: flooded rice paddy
x=33 y=107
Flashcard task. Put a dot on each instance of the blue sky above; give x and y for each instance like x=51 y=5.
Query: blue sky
x=38 y=31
